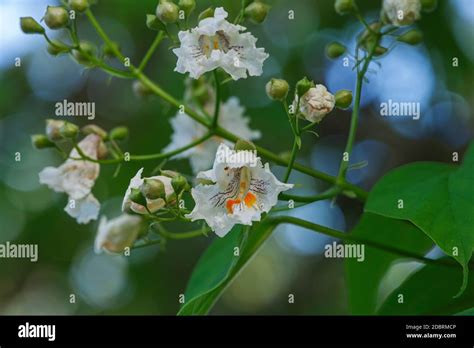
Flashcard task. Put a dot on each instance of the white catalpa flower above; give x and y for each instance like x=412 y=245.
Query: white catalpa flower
x=153 y=205
x=315 y=103
x=187 y=130
x=217 y=43
x=117 y=234
x=402 y=12
x=242 y=190
x=76 y=178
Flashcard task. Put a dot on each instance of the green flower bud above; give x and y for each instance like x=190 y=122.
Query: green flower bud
x=201 y=181
x=153 y=189
x=187 y=6
x=56 y=17
x=411 y=37
x=154 y=23
x=94 y=129
x=41 y=141
x=53 y=129
x=179 y=184
x=167 y=12
x=140 y=89
x=57 y=48
x=343 y=7
x=429 y=5
x=343 y=98
x=68 y=130
x=257 y=11
x=136 y=196
x=109 y=49
x=335 y=50
x=244 y=145
x=118 y=133
x=84 y=55
x=303 y=85
x=208 y=12
x=379 y=50
x=78 y=5
x=30 y=26
x=277 y=89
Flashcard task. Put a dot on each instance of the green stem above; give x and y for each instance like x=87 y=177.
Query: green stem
x=276 y=220
x=355 y=115
x=181 y=235
x=330 y=193
x=217 y=104
x=159 y=37
x=292 y=161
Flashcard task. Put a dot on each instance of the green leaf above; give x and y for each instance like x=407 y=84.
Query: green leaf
x=363 y=278
x=469 y=312
x=438 y=198
x=210 y=279
x=212 y=269
x=429 y=291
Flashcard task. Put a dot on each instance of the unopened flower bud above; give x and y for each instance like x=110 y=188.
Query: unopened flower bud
x=78 y=5
x=153 y=189
x=244 y=145
x=277 y=89
x=153 y=23
x=140 y=89
x=115 y=235
x=208 y=12
x=167 y=12
x=68 y=130
x=335 y=49
x=94 y=129
x=401 y=12
x=411 y=37
x=102 y=150
x=109 y=49
x=56 y=17
x=380 y=50
x=41 y=141
x=179 y=184
x=303 y=85
x=343 y=98
x=257 y=11
x=136 y=196
x=30 y=26
x=57 y=47
x=53 y=129
x=118 y=133
x=343 y=7
x=428 y=5
x=84 y=55
x=187 y=6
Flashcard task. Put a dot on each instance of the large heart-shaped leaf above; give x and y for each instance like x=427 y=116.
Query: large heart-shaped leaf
x=429 y=291
x=438 y=198
x=212 y=269
x=363 y=278
x=218 y=266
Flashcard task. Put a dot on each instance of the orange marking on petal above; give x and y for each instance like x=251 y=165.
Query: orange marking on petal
x=230 y=205
x=250 y=199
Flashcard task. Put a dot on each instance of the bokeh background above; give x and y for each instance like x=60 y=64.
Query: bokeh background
x=149 y=281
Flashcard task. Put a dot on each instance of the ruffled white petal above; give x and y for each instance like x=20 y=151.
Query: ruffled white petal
x=239 y=58
x=84 y=210
x=221 y=204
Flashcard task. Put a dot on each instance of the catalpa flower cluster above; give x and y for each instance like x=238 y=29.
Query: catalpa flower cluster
x=231 y=184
